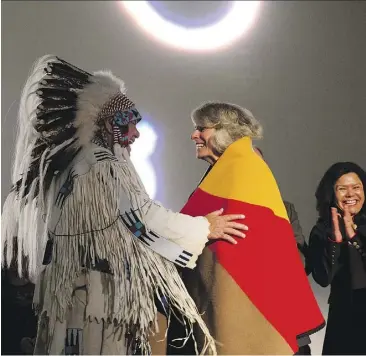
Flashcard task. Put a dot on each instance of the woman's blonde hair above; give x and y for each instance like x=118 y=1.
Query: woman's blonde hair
x=231 y=122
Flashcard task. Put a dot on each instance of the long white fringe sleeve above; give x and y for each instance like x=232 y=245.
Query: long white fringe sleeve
x=188 y=232
x=112 y=187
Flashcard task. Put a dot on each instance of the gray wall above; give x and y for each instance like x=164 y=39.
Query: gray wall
x=300 y=70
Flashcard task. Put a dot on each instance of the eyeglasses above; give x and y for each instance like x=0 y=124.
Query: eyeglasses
x=203 y=128
x=200 y=128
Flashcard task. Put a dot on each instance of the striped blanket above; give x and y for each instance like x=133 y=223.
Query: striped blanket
x=255 y=295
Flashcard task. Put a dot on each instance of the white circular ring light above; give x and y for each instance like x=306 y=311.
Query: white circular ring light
x=220 y=34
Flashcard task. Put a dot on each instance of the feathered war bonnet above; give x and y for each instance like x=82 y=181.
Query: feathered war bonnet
x=60 y=110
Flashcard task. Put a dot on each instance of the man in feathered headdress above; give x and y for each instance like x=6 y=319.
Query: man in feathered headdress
x=82 y=226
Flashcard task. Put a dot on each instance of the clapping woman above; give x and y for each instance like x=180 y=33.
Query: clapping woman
x=338 y=256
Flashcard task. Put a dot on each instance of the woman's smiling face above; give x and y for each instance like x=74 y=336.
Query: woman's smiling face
x=349 y=192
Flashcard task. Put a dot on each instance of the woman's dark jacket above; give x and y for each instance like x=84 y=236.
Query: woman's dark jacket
x=343 y=267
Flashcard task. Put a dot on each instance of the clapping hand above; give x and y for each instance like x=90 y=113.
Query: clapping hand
x=348 y=222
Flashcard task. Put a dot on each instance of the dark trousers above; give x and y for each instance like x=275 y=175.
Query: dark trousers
x=304 y=350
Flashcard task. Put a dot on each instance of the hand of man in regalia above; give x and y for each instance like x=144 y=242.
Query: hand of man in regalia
x=225 y=227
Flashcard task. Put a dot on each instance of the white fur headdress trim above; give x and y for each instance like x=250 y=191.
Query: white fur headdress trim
x=103 y=87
